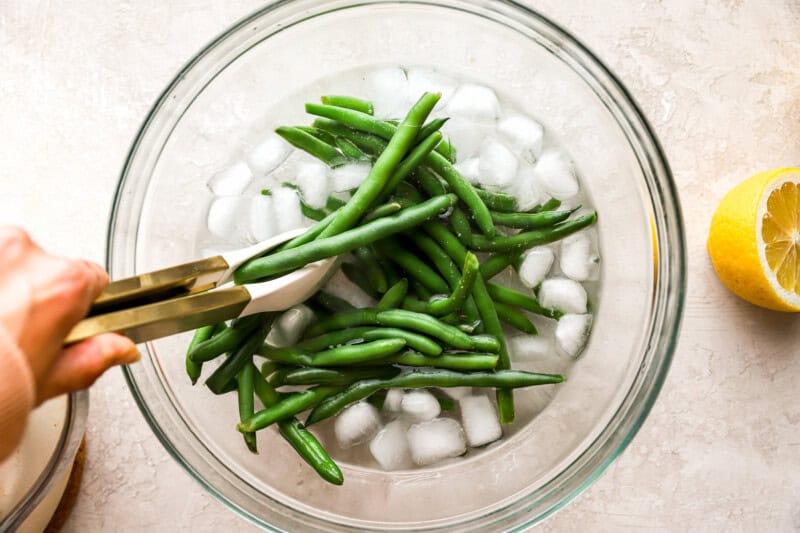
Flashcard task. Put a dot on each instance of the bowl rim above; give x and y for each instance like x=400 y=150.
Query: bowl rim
x=640 y=398
x=59 y=464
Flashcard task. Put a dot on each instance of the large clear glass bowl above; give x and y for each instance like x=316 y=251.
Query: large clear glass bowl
x=210 y=113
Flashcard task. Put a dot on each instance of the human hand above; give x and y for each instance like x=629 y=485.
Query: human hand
x=41 y=298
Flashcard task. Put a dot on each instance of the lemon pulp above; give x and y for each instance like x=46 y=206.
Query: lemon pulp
x=780 y=231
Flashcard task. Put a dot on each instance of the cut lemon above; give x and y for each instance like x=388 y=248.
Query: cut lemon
x=754 y=240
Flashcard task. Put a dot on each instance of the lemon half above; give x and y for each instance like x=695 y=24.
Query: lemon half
x=754 y=240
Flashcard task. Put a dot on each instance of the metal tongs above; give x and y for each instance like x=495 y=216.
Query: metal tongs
x=188 y=296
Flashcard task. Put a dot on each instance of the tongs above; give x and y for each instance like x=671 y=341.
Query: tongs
x=195 y=294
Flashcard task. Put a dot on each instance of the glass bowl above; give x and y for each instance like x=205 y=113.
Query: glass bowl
x=212 y=112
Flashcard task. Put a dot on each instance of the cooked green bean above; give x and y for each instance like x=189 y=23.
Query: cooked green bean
x=309 y=235
x=531 y=220
x=323 y=136
x=371 y=144
x=332 y=376
x=421 y=291
x=429 y=182
x=331 y=303
x=372 y=269
x=359 y=278
x=245 y=381
x=461 y=227
x=394 y=296
x=513 y=297
x=383 y=210
x=410 y=163
x=498 y=201
x=451 y=361
x=226 y=340
x=302 y=440
x=351 y=354
x=514 y=318
x=321 y=248
x=429 y=128
x=228 y=370
x=349 y=102
x=529 y=239
x=194 y=368
x=347 y=319
x=496 y=263
x=413 y=266
x=286 y=408
x=383 y=168
x=549 y=205
x=313 y=213
x=419 y=378
x=457 y=298
x=308 y=143
x=350 y=335
x=333 y=203
x=350 y=150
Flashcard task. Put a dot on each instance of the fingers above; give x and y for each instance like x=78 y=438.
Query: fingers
x=79 y=365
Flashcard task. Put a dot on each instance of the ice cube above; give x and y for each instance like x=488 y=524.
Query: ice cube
x=286 y=209
x=420 y=405
x=563 y=294
x=473 y=102
x=528 y=191
x=498 y=166
x=290 y=326
x=469 y=169
x=356 y=424
x=422 y=80
x=228 y=218
x=435 y=440
x=465 y=135
x=578 y=260
x=390 y=446
x=536 y=265
x=312 y=179
x=393 y=401
x=457 y=393
x=268 y=154
x=389 y=92
x=232 y=181
x=530 y=347
x=523 y=135
x=262 y=218
x=480 y=420
x=350 y=176
x=572 y=332
x=557 y=175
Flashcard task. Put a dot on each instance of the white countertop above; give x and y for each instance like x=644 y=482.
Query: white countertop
x=719 y=81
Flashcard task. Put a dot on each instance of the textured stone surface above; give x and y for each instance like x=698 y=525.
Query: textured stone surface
x=720 y=83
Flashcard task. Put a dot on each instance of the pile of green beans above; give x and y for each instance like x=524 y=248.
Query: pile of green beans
x=412 y=234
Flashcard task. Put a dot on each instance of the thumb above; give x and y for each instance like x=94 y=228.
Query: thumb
x=79 y=365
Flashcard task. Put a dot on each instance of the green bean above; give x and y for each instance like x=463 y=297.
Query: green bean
x=333 y=203
x=359 y=278
x=394 y=296
x=371 y=269
x=414 y=340
x=371 y=144
x=302 y=440
x=393 y=275
x=509 y=296
x=514 y=318
x=414 y=267
x=496 y=263
x=410 y=163
x=400 y=318
x=429 y=182
x=358 y=353
x=488 y=313
x=286 y=408
x=262 y=389
x=310 y=449
x=245 y=381
x=194 y=368
x=429 y=128
x=321 y=248
x=529 y=239
x=381 y=171
x=421 y=291
x=313 y=213
x=498 y=201
x=451 y=361
x=323 y=136
x=438 y=163
x=409 y=193
x=309 y=235
x=531 y=220
x=226 y=340
x=333 y=377
x=377 y=400
x=419 y=378
x=485 y=343
x=383 y=210
x=549 y=205
x=308 y=143
x=347 y=319
x=243 y=354
x=349 y=102
x=331 y=303
x=461 y=227
x=457 y=298
x=349 y=149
